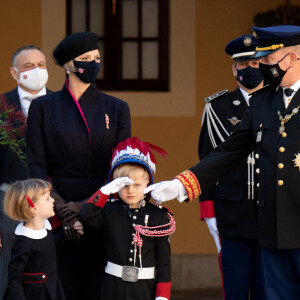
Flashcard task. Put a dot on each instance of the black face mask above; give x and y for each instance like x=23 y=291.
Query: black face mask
x=87 y=71
x=272 y=74
x=249 y=77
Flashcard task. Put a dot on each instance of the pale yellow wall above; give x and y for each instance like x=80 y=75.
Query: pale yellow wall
x=199 y=31
x=17 y=30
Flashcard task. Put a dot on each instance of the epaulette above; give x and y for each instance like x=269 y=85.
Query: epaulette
x=264 y=88
x=163 y=208
x=212 y=97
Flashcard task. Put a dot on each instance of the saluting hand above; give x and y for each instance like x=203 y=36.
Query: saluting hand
x=167 y=190
x=116 y=185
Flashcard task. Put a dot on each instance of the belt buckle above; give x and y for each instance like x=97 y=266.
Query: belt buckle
x=130 y=273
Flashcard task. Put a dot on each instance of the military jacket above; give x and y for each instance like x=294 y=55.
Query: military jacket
x=279 y=175
x=236 y=214
x=116 y=222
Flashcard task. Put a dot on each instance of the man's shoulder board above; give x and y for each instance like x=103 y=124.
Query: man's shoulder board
x=264 y=88
x=212 y=97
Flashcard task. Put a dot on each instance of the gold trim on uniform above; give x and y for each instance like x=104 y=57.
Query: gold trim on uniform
x=191 y=184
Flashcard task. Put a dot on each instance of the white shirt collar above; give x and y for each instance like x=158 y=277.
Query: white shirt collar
x=295 y=87
x=245 y=95
x=22 y=93
x=31 y=233
x=25 y=103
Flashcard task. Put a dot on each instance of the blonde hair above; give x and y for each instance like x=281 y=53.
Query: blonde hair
x=69 y=66
x=126 y=170
x=15 y=204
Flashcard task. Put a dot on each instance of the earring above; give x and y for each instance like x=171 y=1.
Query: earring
x=68 y=72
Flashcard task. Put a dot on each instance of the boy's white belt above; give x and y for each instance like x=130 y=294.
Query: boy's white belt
x=118 y=271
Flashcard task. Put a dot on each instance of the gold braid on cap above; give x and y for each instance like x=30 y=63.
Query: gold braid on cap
x=273 y=47
x=191 y=184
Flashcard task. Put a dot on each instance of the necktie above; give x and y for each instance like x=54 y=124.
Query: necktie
x=288 y=92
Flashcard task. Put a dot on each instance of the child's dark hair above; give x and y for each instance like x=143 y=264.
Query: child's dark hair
x=16 y=206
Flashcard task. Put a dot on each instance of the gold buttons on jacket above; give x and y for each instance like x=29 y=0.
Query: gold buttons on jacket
x=257 y=170
x=43 y=276
x=134 y=217
x=257 y=184
x=257 y=202
x=260 y=125
x=280 y=165
x=130 y=259
x=257 y=155
x=284 y=135
x=281 y=149
x=280 y=182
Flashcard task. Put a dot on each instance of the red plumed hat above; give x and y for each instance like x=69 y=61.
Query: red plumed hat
x=133 y=150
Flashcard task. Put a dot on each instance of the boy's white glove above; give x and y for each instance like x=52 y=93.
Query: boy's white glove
x=212 y=226
x=167 y=190
x=116 y=185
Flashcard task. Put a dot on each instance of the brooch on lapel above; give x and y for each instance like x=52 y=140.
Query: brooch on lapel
x=297 y=161
x=234 y=120
x=107 y=121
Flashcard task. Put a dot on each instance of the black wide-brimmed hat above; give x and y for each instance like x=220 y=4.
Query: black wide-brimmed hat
x=74 y=45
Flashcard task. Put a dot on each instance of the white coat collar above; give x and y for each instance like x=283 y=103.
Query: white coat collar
x=31 y=233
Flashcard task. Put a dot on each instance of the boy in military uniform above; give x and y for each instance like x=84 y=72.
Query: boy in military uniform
x=136 y=231
x=229 y=208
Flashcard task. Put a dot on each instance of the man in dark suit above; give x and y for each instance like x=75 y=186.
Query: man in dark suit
x=29 y=69
x=271 y=126
x=229 y=208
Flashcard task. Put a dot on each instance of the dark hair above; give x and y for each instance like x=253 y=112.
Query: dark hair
x=18 y=51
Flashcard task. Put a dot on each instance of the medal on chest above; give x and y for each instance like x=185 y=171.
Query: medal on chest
x=285 y=119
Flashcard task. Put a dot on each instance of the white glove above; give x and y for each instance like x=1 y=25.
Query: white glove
x=212 y=226
x=116 y=185
x=163 y=191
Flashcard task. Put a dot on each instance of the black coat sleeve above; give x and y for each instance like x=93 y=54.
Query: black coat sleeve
x=163 y=256
x=226 y=155
x=124 y=123
x=36 y=152
x=204 y=147
x=16 y=267
x=92 y=218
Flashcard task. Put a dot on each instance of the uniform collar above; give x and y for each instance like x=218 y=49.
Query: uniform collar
x=245 y=95
x=31 y=233
x=294 y=87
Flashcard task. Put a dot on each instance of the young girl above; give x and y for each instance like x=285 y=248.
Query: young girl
x=136 y=231
x=32 y=270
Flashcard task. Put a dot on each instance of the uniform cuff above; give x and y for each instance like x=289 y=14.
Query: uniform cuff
x=98 y=199
x=207 y=209
x=191 y=184
x=163 y=290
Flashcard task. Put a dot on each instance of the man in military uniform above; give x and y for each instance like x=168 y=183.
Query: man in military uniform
x=229 y=208
x=271 y=125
